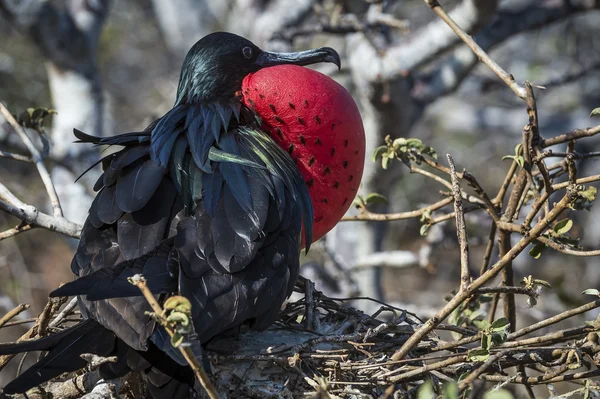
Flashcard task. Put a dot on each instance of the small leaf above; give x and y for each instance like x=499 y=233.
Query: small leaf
x=379 y=152
x=543 y=283
x=563 y=226
x=498 y=394
x=481 y=324
x=500 y=324
x=424 y=230
x=375 y=198
x=591 y=291
x=179 y=304
x=425 y=391
x=179 y=318
x=478 y=355
x=429 y=151
x=413 y=142
x=590 y=193
x=486 y=341
x=450 y=390
x=595 y=112
x=398 y=142
x=385 y=161
x=176 y=340
x=359 y=202
x=536 y=250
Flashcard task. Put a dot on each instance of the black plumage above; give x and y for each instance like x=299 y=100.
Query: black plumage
x=202 y=203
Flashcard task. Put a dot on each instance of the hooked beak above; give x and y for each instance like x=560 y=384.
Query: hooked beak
x=302 y=58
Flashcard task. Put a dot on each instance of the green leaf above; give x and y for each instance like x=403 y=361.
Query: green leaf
x=413 y=142
x=397 y=143
x=426 y=216
x=481 y=324
x=379 y=151
x=591 y=291
x=176 y=340
x=425 y=391
x=563 y=226
x=500 y=325
x=179 y=318
x=450 y=390
x=498 y=394
x=536 y=250
x=595 y=112
x=385 y=161
x=429 y=151
x=590 y=193
x=478 y=355
x=543 y=283
x=359 y=202
x=424 y=230
x=375 y=198
x=179 y=304
x=486 y=341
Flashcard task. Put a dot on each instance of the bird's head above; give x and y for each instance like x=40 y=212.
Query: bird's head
x=216 y=65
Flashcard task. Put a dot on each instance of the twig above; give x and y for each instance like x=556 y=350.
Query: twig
x=186 y=351
x=14 y=157
x=555 y=319
x=366 y=215
x=570 y=136
x=20 y=228
x=36 y=159
x=461 y=228
x=64 y=313
x=13 y=313
x=479 y=52
x=539 y=380
x=31 y=215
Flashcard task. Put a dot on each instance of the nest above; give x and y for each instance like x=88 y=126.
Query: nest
x=322 y=347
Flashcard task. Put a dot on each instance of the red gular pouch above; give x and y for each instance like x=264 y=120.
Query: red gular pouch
x=317 y=122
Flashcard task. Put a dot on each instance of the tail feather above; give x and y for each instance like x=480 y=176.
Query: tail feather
x=63 y=356
x=112 y=282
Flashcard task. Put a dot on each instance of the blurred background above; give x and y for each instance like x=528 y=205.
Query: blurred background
x=112 y=67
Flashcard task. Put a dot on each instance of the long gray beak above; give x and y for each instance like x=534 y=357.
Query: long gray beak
x=307 y=57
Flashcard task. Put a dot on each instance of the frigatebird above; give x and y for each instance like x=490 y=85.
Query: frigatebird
x=211 y=202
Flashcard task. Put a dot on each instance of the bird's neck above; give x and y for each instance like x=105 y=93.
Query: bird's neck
x=202 y=124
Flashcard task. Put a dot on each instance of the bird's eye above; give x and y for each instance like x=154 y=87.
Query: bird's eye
x=247 y=52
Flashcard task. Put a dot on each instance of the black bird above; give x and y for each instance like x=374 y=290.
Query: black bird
x=205 y=205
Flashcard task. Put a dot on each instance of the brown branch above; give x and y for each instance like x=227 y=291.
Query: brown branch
x=13 y=313
x=379 y=217
x=540 y=380
x=461 y=228
x=570 y=136
x=20 y=228
x=515 y=228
